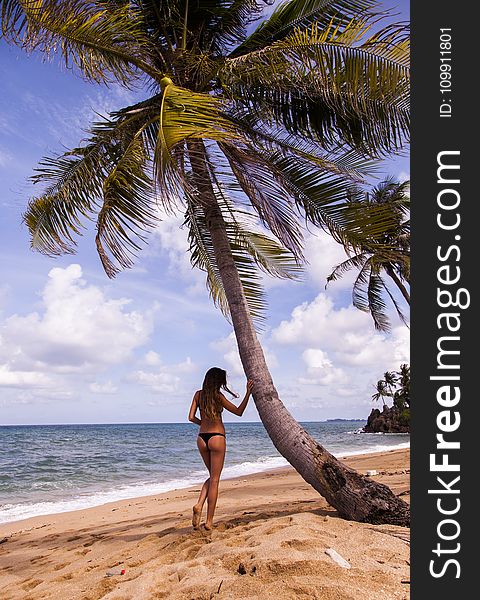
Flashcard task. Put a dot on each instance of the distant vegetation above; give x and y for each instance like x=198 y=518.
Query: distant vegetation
x=395 y=418
x=342 y=420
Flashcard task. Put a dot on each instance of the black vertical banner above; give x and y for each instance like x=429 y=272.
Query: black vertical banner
x=444 y=355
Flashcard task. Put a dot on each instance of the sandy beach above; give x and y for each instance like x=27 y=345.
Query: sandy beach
x=269 y=541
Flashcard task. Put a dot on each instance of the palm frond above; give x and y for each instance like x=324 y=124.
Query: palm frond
x=367 y=296
x=75 y=181
x=234 y=18
x=252 y=250
x=267 y=195
x=268 y=254
x=274 y=138
x=399 y=311
x=54 y=218
x=331 y=84
x=323 y=196
x=187 y=115
x=104 y=44
x=128 y=208
x=292 y=14
x=354 y=262
x=184 y=116
x=202 y=256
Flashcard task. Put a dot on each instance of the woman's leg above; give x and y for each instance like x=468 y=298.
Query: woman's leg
x=217 y=446
x=197 y=509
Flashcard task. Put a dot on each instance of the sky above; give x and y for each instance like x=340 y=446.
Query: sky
x=77 y=347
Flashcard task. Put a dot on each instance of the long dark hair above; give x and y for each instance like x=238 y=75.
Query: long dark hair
x=210 y=403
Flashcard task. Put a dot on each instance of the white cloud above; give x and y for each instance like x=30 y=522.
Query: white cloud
x=23 y=379
x=157 y=382
x=170 y=238
x=317 y=323
x=152 y=359
x=348 y=332
x=227 y=347
x=78 y=328
x=103 y=388
x=165 y=378
x=323 y=254
x=342 y=353
x=320 y=369
x=187 y=366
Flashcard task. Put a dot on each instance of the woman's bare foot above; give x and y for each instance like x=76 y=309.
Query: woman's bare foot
x=197 y=513
x=208 y=526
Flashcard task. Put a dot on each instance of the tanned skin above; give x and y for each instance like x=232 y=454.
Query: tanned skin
x=214 y=455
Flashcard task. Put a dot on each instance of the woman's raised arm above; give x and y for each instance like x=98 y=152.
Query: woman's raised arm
x=240 y=409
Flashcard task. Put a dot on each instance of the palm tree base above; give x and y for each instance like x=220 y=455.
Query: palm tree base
x=354 y=496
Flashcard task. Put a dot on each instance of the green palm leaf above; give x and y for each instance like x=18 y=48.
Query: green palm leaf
x=368 y=296
x=75 y=180
x=128 y=208
x=105 y=44
x=184 y=116
x=267 y=195
x=54 y=218
x=329 y=84
x=203 y=257
x=354 y=262
x=251 y=250
x=234 y=18
x=301 y=13
x=322 y=195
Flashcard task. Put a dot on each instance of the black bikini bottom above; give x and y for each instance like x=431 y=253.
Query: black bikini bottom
x=206 y=436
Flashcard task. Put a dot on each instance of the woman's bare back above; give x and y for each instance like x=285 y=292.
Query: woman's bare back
x=210 y=425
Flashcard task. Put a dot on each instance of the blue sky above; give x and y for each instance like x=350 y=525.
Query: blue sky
x=76 y=347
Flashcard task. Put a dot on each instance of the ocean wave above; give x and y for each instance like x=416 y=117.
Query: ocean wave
x=16 y=512
x=374 y=449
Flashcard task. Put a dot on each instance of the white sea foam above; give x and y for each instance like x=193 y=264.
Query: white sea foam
x=16 y=512
x=373 y=449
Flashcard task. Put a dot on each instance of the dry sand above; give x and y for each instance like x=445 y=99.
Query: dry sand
x=271 y=533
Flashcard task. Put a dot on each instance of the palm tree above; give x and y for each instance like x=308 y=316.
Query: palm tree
x=401 y=398
x=388 y=253
x=276 y=124
x=395 y=385
x=381 y=392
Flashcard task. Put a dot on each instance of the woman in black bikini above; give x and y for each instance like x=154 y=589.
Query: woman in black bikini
x=211 y=439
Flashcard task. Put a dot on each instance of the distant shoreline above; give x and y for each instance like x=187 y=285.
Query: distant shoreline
x=227 y=422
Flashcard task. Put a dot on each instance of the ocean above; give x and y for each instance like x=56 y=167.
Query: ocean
x=47 y=469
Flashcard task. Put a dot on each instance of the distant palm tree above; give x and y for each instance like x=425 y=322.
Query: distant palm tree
x=402 y=395
x=390 y=380
x=275 y=124
x=395 y=385
x=388 y=253
x=382 y=392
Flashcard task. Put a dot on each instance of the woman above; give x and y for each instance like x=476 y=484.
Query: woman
x=211 y=441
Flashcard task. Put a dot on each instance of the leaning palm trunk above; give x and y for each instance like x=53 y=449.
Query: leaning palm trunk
x=354 y=496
